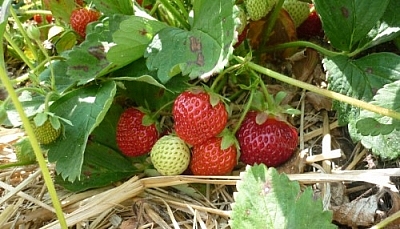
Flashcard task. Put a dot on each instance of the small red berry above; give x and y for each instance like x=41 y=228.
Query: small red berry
x=271 y=142
x=81 y=17
x=209 y=159
x=311 y=27
x=196 y=119
x=133 y=137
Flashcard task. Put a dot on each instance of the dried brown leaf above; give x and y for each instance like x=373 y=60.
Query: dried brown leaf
x=318 y=101
x=357 y=213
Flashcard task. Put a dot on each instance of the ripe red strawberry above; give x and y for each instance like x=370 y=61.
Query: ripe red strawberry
x=133 y=137
x=209 y=159
x=196 y=118
x=271 y=141
x=311 y=27
x=81 y=17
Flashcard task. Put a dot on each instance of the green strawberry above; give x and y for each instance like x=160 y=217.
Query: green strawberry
x=46 y=133
x=170 y=155
x=24 y=151
x=297 y=10
x=256 y=9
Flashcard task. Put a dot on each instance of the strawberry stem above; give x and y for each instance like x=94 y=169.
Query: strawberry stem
x=23 y=33
x=35 y=145
x=270 y=100
x=244 y=113
x=216 y=86
x=324 y=92
x=271 y=22
x=307 y=44
x=175 y=13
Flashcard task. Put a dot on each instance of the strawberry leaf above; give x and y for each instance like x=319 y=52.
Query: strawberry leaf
x=381 y=133
x=102 y=166
x=346 y=23
x=109 y=7
x=360 y=78
x=266 y=199
x=132 y=38
x=85 y=108
x=88 y=60
x=200 y=52
x=387 y=28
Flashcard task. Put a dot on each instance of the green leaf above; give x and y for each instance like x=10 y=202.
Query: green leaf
x=387 y=28
x=347 y=22
x=62 y=9
x=132 y=38
x=102 y=166
x=360 y=78
x=105 y=133
x=88 y=60
x=266 y=199
x=381 y=133
x=200 y=52
x=63 y=81
x=110 y=7
x=85 y=108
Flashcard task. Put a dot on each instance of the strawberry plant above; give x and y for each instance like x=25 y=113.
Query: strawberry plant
x=200 y=69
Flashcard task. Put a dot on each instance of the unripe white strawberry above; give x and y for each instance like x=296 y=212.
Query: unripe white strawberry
x=170 y=155
x=256 y=9
x=297 y=10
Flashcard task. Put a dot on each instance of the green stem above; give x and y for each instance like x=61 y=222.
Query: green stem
x=271 y=22
x=244 y=113
x=387 y=221
x=214 y=86
x=330 y=94
x=182 y=8
x=175 y=13
x=267 y=95
x=307 y=44
x=18 y=50
x=24 y=34
x=36 y=148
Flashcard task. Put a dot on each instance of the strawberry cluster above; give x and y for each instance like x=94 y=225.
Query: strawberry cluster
x=198 y=142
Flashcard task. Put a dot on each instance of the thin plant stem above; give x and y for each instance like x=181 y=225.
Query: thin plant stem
x=330 y=94
x=307 y=44
x=35 y=145
x=177 y=16
x=244 y=113
x=18 y=50
x=23 y=33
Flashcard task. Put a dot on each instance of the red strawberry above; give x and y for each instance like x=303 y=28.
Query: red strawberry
x=210 y=160
x=196 y=118
x=311 y=27
x=81 y=17
x=269 y=141
x=133 y=137
x=38 y=18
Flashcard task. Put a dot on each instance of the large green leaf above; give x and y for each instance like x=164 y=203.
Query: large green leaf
x=267 y=199
x=347 y=22
x=387 y=28
x=85 y=108
x=360 y=78
x=200 y=52
x=132 y=38
x=380 y=133
x=102 y=166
